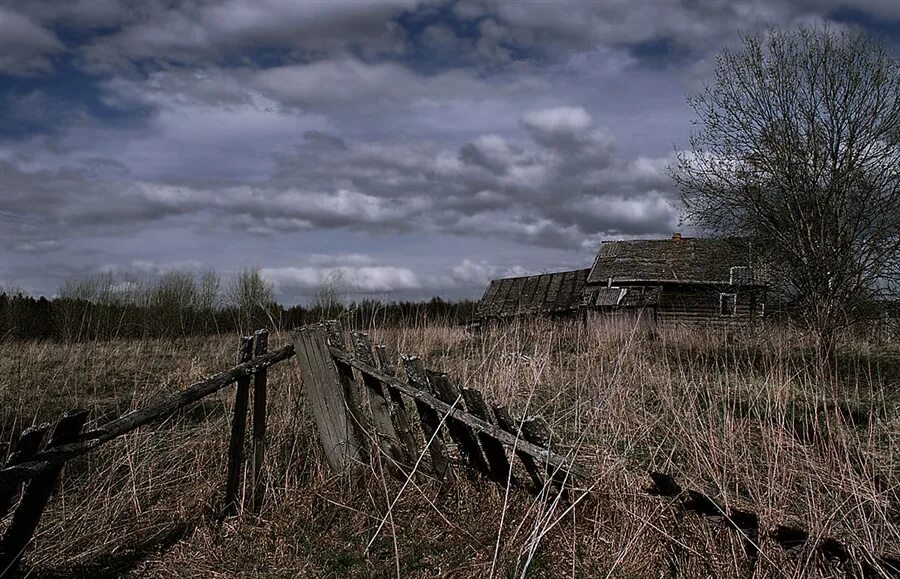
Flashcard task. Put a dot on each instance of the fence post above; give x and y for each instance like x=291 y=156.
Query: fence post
x=260 y=348
x=29 y=443
x=238 y=430
x=326 y=397
x=37 y=493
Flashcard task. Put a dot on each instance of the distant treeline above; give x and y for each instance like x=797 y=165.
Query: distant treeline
x=179 y=304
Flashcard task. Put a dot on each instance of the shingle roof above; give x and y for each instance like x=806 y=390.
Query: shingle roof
x=682 y=259
x=535 y=294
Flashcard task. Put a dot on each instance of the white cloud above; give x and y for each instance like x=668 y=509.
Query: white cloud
x=363 y=279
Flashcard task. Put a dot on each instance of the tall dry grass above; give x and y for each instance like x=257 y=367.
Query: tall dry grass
x=747 y=419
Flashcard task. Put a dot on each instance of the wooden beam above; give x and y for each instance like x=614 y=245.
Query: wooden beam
x=493 y=448
x=51 y=457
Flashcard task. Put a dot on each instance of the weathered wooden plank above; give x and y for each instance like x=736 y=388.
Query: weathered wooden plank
x=505 y=421
x=28 y=514
x=493 y=448
x=354 y=396
x=465 y=438
x=326 y=398
x=28 y=444
x=399 y=410
x=379 y=405
x=421 y=396
x=536 y=431
x=260 y=388
x=51 y=457
x=238 y=430
x=430 y=419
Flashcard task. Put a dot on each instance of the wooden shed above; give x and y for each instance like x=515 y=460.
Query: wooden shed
x=709 y=280
x=549 y=294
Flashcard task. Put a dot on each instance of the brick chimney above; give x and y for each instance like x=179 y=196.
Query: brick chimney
x=676 y=237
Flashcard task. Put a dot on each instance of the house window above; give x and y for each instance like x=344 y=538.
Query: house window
x=727 y=304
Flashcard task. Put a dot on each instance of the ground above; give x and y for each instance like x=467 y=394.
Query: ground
x=749 y=419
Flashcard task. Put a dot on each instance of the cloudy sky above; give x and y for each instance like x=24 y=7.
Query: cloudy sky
x=404 y=148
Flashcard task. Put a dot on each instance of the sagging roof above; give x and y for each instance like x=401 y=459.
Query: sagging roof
x=710 y=259
x=548 y=293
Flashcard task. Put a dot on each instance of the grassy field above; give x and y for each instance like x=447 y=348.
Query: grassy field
x=749 y=420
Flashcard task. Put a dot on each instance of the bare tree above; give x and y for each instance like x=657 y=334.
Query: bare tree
x=798 y=147
x=253 y=299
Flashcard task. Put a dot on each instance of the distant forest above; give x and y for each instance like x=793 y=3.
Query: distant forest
x=181 y=304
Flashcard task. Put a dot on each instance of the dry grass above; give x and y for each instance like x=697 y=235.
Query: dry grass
x=748 y=421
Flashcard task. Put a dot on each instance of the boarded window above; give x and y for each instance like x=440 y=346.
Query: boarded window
x=727 y=304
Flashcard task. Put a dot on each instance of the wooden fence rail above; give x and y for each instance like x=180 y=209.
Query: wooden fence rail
x=32 y=473
x=358 y=404
x=362 y=407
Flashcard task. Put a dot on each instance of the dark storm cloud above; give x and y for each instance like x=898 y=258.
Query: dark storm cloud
x=536 y=126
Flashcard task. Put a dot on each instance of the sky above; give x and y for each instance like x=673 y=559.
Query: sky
x=394 y=148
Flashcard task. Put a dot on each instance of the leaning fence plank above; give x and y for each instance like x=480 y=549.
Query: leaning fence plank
x=260 y=386
x=37 y=493
x=353 y=390
x=399 y=411
x=535 y=430
x=430 y=419
x=326 y=398
x=505 y=421
x=378 y=403
x=28 y=444
x=493 y=448
x=238 y=430
x=464 y=437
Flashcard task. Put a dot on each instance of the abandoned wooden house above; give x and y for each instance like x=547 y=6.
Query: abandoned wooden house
x=706 y=280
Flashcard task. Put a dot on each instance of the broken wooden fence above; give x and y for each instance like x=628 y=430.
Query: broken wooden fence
x=33 y=469
x=361 y=404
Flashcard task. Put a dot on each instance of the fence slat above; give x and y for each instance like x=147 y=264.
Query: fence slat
x=238 y=430
x=493 y=448
x=28 y=444
x=378 y=403
x=399 y=410
x=260 y=387
x=418 y=380
x=462 y=435
x=536 y=431
x=354 y=398
x=37 y=493
x=326 y=398
x=505 y=421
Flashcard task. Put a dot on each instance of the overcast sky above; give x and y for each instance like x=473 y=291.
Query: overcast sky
x=406 y=148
